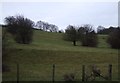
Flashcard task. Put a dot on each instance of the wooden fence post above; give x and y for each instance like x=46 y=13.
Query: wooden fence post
x=53 y=76
x=17 y=73
x=110 y=72
x=83 y=73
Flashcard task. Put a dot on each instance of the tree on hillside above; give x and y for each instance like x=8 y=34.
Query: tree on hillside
x=20 y=28
x=107 y=31
x=90 y=39
x=46 y=26
x=39 y=24
x=87 y=36
x=114 y=38
x=100 y=29
x=53 y=28
x=81 y=32
x=71 y=34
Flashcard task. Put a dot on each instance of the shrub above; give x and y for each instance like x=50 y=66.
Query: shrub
x=114 y=38
x=87 y=36
x=69 y=77
x=20 y=28
x=90 y=39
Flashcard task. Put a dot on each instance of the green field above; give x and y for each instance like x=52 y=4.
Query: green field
x=47 y=48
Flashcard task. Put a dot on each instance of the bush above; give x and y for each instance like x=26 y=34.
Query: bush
x=87 y=36
x=114 y=38
x=20 y=28
x=90 y=39
x=69 y=77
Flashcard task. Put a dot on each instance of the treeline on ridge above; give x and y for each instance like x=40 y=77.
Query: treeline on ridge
x=22 y=30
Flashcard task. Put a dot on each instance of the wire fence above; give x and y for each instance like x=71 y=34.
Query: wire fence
x=55 y=72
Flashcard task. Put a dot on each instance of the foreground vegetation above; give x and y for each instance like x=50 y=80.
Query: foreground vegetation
x=37 y=58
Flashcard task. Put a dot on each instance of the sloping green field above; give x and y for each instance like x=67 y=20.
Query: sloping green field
x=47 y=48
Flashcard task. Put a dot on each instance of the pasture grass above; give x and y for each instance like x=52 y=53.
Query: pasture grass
x=36 y=59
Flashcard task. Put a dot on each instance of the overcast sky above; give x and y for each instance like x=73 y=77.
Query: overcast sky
x=64 y=13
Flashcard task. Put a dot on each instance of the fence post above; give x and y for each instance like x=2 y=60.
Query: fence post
x=110 y=72
x=53 y=76
x=17 y=73
x=83 y=73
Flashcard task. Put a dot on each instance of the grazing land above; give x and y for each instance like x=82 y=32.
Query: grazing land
x=36 y=59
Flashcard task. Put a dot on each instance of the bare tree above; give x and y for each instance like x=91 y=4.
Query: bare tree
x=20 y=28
x=46 y=26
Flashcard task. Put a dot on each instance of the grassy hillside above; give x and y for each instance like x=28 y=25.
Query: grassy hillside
x=53 y=41
x=48 y=48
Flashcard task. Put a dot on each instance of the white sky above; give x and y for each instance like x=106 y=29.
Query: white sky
x=64 y=13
